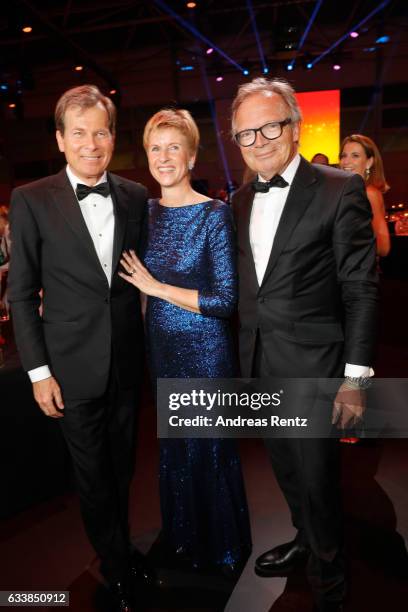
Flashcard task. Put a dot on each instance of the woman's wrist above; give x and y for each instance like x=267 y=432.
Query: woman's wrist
x=162 y=291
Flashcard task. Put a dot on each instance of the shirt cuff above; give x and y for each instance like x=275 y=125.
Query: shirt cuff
x=40 y=373
x=358 y=371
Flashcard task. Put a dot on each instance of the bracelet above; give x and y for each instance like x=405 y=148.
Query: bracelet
x=358 y=382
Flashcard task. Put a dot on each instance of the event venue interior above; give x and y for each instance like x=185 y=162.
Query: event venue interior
x=348 y=62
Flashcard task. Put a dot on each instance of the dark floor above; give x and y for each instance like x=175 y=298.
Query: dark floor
x=44 y=547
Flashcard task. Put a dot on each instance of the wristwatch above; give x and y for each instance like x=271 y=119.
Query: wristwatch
x=358 y=382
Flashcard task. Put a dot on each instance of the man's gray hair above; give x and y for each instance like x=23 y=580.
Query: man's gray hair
x=266 y=87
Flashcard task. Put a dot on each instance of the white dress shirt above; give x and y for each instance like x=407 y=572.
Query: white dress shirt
x=98 y=215
x=266 y=212
x=265 y=216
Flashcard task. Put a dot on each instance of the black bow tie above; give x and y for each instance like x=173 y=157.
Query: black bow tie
x=83 y=190
x=264 y=187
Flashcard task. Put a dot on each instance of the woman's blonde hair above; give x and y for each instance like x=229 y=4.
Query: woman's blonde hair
x=177 y=118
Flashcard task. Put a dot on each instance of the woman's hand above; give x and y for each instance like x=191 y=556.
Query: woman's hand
x=141 y=278
x=138 y=275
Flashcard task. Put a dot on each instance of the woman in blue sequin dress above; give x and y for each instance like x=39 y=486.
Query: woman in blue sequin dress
x=190 y=277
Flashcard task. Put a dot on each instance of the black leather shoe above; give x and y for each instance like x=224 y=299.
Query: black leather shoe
x=121 y=601
x=141 y=572
x=281 y=559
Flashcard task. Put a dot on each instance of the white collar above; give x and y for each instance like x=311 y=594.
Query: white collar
x=74 y=180
x=289 y=173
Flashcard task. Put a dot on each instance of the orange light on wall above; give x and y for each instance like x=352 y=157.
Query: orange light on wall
x=320 y=131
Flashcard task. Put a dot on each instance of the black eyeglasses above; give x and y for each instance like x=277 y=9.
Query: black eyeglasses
x=272 y=130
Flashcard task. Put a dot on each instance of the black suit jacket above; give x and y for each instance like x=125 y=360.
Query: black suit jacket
x=316 y=308
x=84 y=321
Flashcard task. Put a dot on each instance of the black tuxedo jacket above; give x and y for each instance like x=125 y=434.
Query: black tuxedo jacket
x=84 y=322
x=316 y=308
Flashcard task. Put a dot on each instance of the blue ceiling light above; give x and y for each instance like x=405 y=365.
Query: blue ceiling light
x=245 y=72
x=190 y=28
x=383 y=39
x=356 y=27
x=256 y=34
x=298 y=47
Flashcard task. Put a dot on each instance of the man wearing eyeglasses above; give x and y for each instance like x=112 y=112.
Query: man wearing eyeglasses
x=308 y=302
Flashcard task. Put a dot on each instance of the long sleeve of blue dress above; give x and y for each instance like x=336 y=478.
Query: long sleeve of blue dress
x=220 y=297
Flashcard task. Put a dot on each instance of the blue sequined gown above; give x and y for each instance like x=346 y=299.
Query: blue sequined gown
x=203 y=503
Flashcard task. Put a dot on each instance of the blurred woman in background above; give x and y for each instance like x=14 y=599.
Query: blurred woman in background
x=360 y=155
x=4 y=259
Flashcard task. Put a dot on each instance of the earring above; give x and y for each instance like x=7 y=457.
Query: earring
x=190 y=165
x=367 y=173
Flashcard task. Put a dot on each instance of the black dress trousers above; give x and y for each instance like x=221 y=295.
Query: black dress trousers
x=308 y=473
x=100 y=434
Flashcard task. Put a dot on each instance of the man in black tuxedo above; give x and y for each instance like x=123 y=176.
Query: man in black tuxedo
x=83 y=347
x=308 y=302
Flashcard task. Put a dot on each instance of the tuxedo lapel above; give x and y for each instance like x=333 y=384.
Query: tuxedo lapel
x=299 y=197
x=121 y=210
x=245 y=203
x=67 y=203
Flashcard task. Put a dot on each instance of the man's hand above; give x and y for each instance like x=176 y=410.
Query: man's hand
x=349 y=407
x=47 y=394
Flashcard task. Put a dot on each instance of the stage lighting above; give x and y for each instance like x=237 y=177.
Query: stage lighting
x=112 y=92
x=286 y=37
x=27 y=29
x=265 y=70
x=336 y=66
x=354 y=34
x=186 y=68
x=12 y=105
x=4 y=87
x=209 y=50
x=78 y=68
x=219 y=79
x=191 y=5
x=309 y=65
x=245 y=72
x=289 y=67
x=382 y=40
